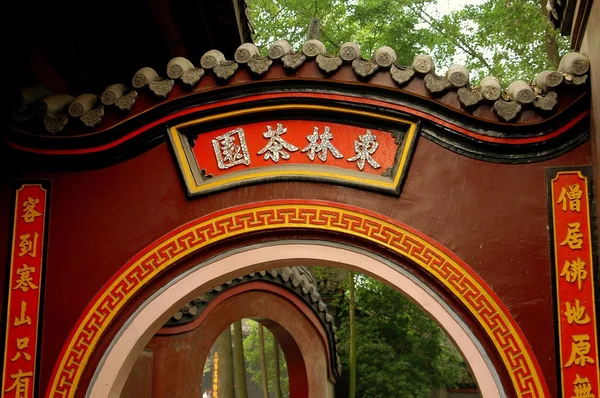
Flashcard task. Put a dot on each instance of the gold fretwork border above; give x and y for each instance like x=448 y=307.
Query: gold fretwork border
x=432 y=257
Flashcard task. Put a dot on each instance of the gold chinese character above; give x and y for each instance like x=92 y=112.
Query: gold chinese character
x=25 y=280
x=582 y=388
x=21 y=384
x=576 y=313
x=580 y=348
x=573 y=238
x=22 y=343
x=29 y=211
x=574 y=271
x=22 y=319
x=216 y=374
x=574 y=196
x=27 y=245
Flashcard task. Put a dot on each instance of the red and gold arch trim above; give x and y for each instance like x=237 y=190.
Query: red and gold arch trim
x=190 y=238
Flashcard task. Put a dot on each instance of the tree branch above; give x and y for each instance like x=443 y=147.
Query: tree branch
x=277 y=14
x=550 y=39
x=337 y=46
x=463 y=46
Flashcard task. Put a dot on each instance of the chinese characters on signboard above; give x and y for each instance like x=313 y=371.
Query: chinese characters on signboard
x=231 y=148
x=294 y=150
x=572 y=239
x=24 y=292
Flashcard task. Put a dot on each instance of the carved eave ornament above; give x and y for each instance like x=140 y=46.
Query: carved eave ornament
x=521 y=102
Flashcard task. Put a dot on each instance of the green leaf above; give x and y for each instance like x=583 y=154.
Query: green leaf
x=505 y=38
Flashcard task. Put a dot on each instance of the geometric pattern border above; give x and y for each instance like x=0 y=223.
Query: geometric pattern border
x=435 y=259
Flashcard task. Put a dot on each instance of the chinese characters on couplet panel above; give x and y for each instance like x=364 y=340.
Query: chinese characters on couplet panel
x=24 y=292
x=574 y=285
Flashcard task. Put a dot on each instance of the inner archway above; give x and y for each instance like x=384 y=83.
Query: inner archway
x=116 y=363
x=398 y=347
x=297 y=330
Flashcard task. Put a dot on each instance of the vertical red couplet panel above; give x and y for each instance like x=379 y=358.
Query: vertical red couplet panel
x=574 y=279
x=24 y=292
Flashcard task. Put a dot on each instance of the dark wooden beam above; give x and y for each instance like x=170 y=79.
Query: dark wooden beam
x=580 y=17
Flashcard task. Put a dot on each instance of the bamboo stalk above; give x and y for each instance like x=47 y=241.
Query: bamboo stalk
x=352 y=389
x=263 y=361
x=240 y=365
x=278 y=393
x=226 y=384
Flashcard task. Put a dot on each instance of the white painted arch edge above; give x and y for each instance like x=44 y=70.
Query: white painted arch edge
x=119 y=358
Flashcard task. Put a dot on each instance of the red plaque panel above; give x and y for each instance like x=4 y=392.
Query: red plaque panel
x=574 y=268
x=25 y=292
x=373 y=155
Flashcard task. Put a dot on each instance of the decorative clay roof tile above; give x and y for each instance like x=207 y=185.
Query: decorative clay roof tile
x=540 y=94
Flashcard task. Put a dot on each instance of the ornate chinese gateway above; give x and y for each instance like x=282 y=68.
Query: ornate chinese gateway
x=170 y=179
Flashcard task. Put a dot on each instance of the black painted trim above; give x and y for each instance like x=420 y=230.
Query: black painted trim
x=448 y=138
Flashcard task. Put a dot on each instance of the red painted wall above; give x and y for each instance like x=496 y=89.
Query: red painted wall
x=493 y=216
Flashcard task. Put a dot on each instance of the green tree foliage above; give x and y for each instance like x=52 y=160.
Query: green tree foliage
x=252 y=356
x=352 y=333
x=515 y=37
x=510 y=39
x=400 y=351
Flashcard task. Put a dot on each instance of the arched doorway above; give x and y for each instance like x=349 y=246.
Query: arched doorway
x=296 y=328
x=511 y=350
